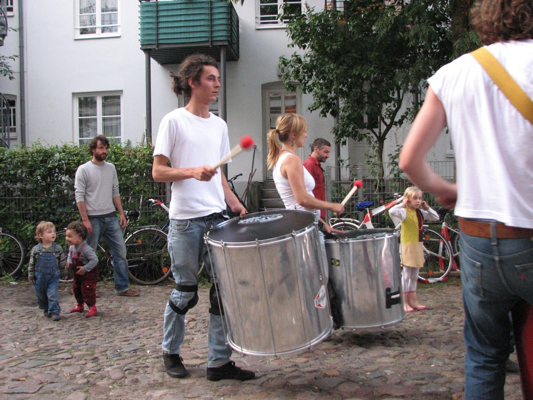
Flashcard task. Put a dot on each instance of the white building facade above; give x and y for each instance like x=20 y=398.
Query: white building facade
x=84 y=74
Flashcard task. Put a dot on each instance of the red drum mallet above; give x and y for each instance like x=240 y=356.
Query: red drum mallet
x=356 y=185
x=246 y=142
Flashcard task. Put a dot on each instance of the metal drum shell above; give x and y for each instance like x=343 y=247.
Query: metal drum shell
x=269 y=287
x=364 y=267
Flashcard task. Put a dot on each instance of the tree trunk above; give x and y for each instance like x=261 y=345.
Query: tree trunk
x=381 y=169
x=461 y=18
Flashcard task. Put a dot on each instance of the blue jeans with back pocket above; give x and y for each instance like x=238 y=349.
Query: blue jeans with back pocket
x=496 y=274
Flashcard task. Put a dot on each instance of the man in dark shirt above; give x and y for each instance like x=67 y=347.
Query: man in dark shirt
x=320 y=152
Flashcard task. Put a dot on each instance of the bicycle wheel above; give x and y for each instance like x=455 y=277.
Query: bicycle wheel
x=12 y=254
x=345 y=226
x=456 y=249
x=148 y=258
x=438 y=257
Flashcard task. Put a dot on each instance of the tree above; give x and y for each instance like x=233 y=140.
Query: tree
x=360 y=63
x=463 y=37
x=5 y=67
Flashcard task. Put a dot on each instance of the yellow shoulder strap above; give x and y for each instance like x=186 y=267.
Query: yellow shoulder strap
x=505 y=82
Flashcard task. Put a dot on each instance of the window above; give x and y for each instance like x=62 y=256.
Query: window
x=98 y=114
x=450 y=152
x=9 y=8
x=8 y=118
x=97 y=18
x=268 y=11
x=12 y=101
x=9 y=114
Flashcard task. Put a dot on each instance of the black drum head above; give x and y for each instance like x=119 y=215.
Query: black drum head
x=261 y=226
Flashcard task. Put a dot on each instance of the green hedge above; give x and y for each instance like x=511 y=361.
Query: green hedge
x=37 y=183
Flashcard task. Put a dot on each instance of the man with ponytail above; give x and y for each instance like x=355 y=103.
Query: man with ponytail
x=193 y=139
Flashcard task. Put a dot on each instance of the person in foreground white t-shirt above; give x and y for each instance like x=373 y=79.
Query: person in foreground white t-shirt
x=492 y=141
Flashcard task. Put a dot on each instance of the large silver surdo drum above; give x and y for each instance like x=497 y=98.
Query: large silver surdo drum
x=270 y=273
x=365 y=274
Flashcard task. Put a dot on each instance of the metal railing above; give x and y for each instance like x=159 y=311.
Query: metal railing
x=377 y=190
x=24 y=204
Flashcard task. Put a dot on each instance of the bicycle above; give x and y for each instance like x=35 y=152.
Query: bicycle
x=146 y=253
x=241 y=199
x=450 y=230
x=438 y=256
x=349 y=224
x=202 y=271
x=438 y=253
x=12 y=254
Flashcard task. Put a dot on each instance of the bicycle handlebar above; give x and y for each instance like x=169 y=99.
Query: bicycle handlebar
x=233 y=178
x=160 y=204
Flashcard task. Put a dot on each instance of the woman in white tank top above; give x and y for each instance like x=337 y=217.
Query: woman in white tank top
x=294 y=183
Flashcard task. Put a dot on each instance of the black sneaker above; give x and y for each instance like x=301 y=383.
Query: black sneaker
x=174 y=365
x=47 y=314
x=229 y=371
x=55 y=317
x=511 y=367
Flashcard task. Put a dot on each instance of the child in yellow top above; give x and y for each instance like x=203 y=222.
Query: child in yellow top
x=412 y=212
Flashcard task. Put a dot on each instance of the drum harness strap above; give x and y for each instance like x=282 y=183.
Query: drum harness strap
x=192 y=302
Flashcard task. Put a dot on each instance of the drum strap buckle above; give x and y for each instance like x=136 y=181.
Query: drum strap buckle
x=392 y=298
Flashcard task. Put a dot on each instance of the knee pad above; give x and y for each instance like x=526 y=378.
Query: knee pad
x=192 y=302
x=216 y=307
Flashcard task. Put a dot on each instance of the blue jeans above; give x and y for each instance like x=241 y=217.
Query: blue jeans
x=111 y=231
x=187 y=249
x=496 y=274
x=46 y=283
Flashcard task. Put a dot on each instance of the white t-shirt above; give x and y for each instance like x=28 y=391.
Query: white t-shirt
x=284 y=188
x=493 y=142
x=191 y=141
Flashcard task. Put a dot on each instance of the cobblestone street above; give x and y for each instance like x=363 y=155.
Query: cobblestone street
x=117 y=355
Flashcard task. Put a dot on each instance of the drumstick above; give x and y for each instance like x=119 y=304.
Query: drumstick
x=245 y=143
x=356 y=185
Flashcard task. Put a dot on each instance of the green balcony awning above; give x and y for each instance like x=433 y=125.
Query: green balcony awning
x=173 y=29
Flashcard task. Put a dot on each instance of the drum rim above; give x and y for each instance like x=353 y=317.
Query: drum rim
x=248 y=243
x=378 y=236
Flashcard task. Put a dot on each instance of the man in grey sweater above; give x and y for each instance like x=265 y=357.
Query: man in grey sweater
x=98 y=199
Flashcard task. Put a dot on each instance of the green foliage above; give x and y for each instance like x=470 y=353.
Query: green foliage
x=37 y=184
x=394 y=165
x=360 y=63
x=5 y=66
x=466 y=43
x=7 y=279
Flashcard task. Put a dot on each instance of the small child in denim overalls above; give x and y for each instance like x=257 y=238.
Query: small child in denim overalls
x=82 y=259
x=46 y=259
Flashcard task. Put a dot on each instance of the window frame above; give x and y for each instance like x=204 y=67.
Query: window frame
x=10 y=8
x=268 y=118
x=98 y=26
x=13 y=126
x=259 y=24
x=99 y=115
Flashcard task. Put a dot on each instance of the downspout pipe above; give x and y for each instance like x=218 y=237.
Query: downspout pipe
x=148 y=80
x=22 y=76
x=222 y=95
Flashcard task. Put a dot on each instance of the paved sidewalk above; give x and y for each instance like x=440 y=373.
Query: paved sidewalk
x=117 y=355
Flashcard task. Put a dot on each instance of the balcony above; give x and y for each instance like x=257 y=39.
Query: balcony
x=174 y=29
